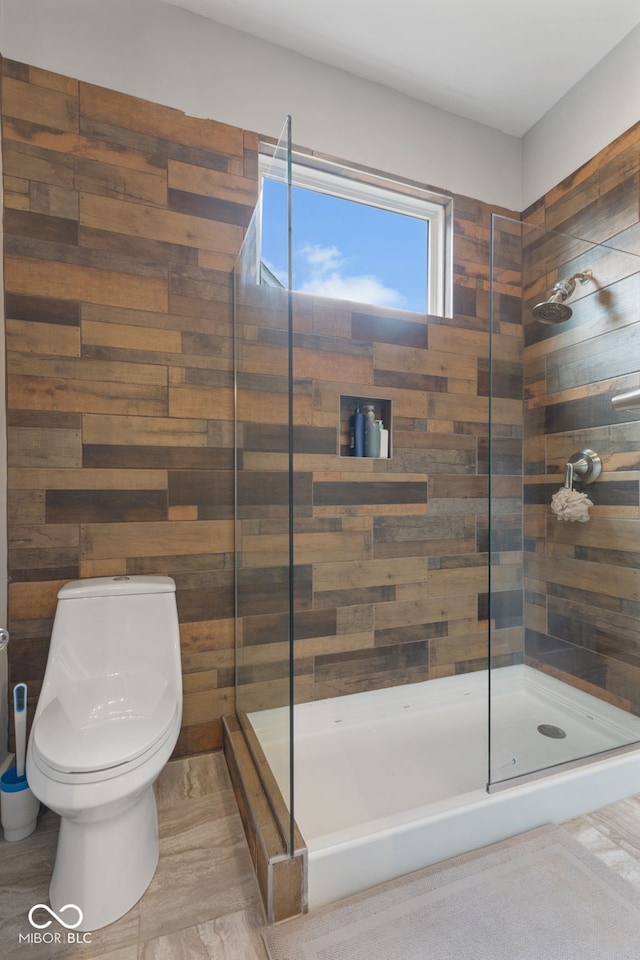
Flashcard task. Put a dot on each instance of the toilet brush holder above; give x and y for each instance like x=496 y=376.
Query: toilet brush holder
x=19 y=807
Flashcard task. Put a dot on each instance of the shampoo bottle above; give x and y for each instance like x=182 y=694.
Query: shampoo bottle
x=356 y=432
x=371 y=433
x=384 y=441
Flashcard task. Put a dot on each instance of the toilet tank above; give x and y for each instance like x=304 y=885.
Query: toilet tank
x=106 y=626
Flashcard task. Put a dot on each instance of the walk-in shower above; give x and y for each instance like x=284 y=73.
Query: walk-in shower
x=427 y=660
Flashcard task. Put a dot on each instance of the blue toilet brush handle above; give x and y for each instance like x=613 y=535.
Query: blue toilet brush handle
x=20 y=721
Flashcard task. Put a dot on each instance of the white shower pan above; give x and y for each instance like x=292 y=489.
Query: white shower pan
x=392 y=780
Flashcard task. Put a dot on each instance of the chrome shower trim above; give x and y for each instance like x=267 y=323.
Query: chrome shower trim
x=626 y=401
x=554 y=310
x=586 y=466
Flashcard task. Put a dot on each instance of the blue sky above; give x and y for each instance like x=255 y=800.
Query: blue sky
x=345 y=249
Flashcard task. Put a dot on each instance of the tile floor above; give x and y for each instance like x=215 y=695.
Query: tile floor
x=203 y=902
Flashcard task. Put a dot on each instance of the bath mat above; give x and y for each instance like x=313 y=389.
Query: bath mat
x=537 y=896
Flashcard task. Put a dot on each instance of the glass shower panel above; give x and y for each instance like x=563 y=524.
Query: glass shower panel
x=262 y=336
x=564 y=610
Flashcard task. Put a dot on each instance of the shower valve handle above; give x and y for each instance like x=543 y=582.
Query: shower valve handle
x=584 y=467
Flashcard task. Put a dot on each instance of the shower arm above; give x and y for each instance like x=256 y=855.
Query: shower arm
x=564 y=288
x=626 y=401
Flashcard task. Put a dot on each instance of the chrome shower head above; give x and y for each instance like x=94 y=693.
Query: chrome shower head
x=555 y=310
x=552 y=311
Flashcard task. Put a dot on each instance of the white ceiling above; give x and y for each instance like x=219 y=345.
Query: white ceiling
x=500 y=62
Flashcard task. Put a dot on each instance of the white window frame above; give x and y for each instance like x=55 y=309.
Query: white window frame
x=351 y=183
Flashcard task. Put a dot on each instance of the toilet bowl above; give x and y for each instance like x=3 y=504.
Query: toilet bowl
x=107 y=720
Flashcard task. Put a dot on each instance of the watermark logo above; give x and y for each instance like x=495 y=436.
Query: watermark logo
x=56 y=916
x=70 y=917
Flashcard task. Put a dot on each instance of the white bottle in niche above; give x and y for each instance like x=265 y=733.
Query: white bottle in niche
x=384 y=442
x=371 y=433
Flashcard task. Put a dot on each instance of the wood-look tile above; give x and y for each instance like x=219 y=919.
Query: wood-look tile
x=607 y=212
x=389 y=329
x=120 y=109
x=97 y=506
x=409 y=381
x=65 y=148
x=354 y=574
x=41 y=447
x=123 y=216
x=35 y=164
x=139 y=250
x=50 y=228
x=67 y=281
x=166 y=457
x=86 y=396
x=220 y=210
x=117 y=180
x=51 y=108
x=155 y=431
x=211 y=183
x=154 y=146
x=42 y=309
x=378 y=492
x=200 y=737
x=29 y=337
x=158 y=538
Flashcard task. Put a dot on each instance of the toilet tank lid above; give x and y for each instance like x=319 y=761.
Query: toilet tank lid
x=115 y=586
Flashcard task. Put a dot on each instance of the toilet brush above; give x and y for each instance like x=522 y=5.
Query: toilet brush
x=20 y=723
x=18 y=805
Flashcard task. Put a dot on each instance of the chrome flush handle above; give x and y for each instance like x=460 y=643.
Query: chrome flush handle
x=4 y=638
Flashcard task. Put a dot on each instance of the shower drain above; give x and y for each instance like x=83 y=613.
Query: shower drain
x=549 y=730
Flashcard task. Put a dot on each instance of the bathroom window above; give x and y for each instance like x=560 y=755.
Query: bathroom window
x=355 y=236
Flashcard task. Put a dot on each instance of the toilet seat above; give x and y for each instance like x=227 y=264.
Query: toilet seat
x=99 y=723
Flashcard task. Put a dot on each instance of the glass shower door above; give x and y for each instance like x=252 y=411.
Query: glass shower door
x=263 y=516
x=564 y=607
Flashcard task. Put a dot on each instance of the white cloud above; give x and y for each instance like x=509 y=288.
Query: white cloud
x=322 y=258
x=328 y=277
x=363 y=289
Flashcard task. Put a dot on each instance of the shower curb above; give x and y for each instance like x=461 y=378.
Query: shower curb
x=282 y=878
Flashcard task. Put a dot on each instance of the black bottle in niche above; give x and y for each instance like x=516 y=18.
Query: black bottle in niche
x=356 y=432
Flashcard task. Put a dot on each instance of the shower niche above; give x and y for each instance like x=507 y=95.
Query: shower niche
x=382 y=412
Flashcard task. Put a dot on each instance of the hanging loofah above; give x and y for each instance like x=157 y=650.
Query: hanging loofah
x=571 y=506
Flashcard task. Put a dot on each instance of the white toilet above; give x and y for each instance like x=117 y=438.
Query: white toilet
x=107 y=720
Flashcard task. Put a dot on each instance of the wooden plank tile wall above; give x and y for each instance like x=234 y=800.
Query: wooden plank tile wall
x=123 y=219
x=582 y=610
x=122 y=222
